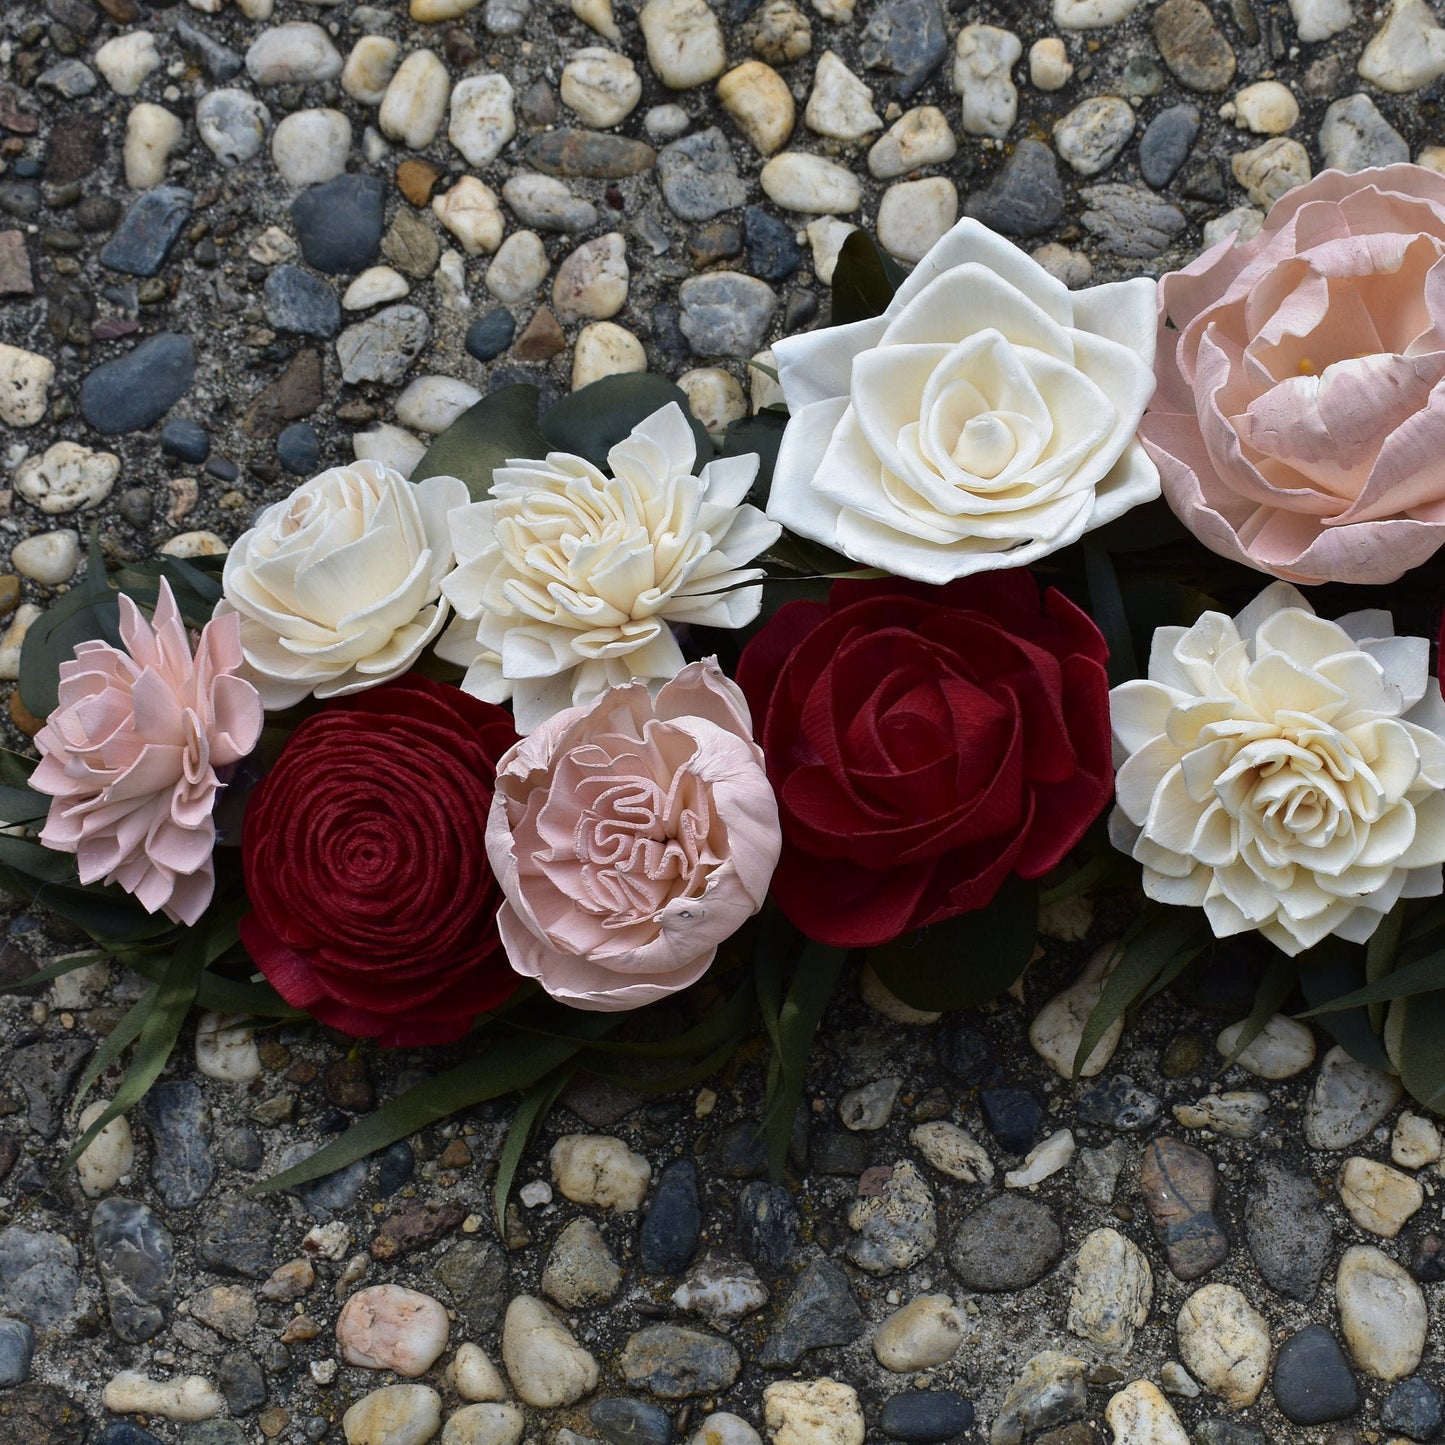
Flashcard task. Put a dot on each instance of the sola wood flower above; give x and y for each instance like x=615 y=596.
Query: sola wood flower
x=1299 y=425
x=338 y=587
x=986 y=419
x=1283 y=771
x=133 y=752
x=568 y=581
x=631 y=837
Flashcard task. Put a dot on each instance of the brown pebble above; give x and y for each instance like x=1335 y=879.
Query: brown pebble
x=22 y=717
x=294 y=394
x=300 y=1327
x=456 y=1155
x=586 y=153
x=273 y=1053
x=538 y=105
x=414 y=1227
x=9 y=593
x=542 y=338
x=1079 y=1433
x=1192 y=45
x=289 y=1281
x=303 y=1072
x=1179 y=1184
x=273 y=1420
x=459 y=48
x=416 y=179
x=13 y=117
x=123 y=12
x=15 y=277
x=347 y=1085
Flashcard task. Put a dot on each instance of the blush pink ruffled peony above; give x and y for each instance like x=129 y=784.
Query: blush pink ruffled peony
x=132 y=755
x=1299 y=422
x=632 y=836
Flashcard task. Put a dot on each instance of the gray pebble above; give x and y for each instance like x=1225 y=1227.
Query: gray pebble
x=136 y=1258
x=725 y=314
x=1130 y=222
x=180 y=1125
x=382 y=347
x=38 y=1269
x=674 y=1362
x=1354 y=136
x=339 y=223
x=17 y=1348
x=820 y=1311
x=69 y=78
x=150 y=228
x=906 y=39
x=232 y=125
x=698 y=176
x=130 y=393
x=238 y=1236
x=1165 y=144
x=1026 y=198
x=219 y=61
x=1287 y=1231
x=294 y=300
x=1006 y=1245
x=45 y=1071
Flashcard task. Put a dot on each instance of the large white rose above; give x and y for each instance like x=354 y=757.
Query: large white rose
x=986 y=419
x=568 y=580
x=339 y=586
x=1282 y=771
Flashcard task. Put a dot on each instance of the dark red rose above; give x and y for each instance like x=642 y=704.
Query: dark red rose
x=364 y=851
x=924 y=743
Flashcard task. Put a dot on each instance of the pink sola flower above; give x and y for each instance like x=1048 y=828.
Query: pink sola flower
x=132 y=751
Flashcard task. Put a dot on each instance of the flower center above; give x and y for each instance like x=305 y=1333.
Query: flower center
x=985 y=446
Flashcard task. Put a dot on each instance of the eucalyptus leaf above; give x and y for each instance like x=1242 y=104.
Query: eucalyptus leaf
x=590 y=422
x=498 y=428
x=864 y=280
x=964 y=961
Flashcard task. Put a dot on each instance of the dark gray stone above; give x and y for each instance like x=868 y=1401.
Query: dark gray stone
x=242 y=1149
x=1006 y=1245
x=821 y=1311
x=492 y=334
x=1226 y=1432
x=238 y=1236
x=70 y=78
x=180 y=1124
x=630 y=1422
x=1119 y=1103
x=332 y=1192
x=1026 y=198
x=767 y=1224
x=395 y=1166
x=698 y=176
x=339 y=224
x=773 y=252
x=241 y=1381
x=674 y=1362
x=1413 y=1408
x=17 y=1349
x=298 y=448
x=475 y=1277
x=1013 y=1117
x=137 y=1262
x=907 y=40
x=926 y=1416
x=38 y=1269
x=120 y=1432
x=1130 y=222
x=674 y=1220
x=1313 y=1382
x=295 y=300
x=139 y=388
x=189 y=440
x=144 y=238
x=1166 y=142
x=45 y=1071
x=219 y=61
x=1287 y=1232
x=741 y=1151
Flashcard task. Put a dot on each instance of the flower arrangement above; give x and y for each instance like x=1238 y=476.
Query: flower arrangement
x=597 y=712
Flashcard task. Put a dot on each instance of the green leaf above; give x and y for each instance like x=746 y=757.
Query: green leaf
x=1422 y=976
x=1421 y=1057
x=59 y=969
x=1097 y=871
x=16 y=768
x=592 y=421
x=21 y=805
x=1106 y=605
x=964 y=961
x=116 y=1042
x=1159 y=938
x=81 y=615
x=532 y=1110
x=501 y=426
x=761 y=434
x=1332 y=970
x=864 y=280
x=1273 y=989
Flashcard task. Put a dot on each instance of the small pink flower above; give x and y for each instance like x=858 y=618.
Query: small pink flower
x=131 y=755
x=631 y=836
x=1299 y=421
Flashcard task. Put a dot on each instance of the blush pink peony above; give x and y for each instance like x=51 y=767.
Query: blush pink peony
x=631 y=836
x=1299 y=421
x=131 y=755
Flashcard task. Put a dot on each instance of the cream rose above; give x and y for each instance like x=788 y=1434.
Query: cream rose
x=631 y=837
x=985 y=420
x=568 y=581
x=338 y=587
x=1282 y=771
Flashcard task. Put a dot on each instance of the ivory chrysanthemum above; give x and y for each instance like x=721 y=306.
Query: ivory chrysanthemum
x=568 y=581
x=1284 y=772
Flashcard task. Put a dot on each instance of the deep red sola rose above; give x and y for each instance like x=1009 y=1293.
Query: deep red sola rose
x=365 y=862
x=924 y=743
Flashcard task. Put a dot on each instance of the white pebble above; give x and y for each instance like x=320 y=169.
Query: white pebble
x=1271 y=169
x=482 y=118
x=721 y=1428
x=813 y=1412
x=1043 y=1160
x=226 y=1048
x=193 y=544
x=232 y=125
x=1094 y=132
x=25 y=378
x=67 y=477
x=759 y=100
x=395 y=1415
x=592 y=282
x=473 y=1375
x=485 y=1425
x=415 y=101
x=1140 y=1415
x=49 y=558
x=311 y=146
x=721 y=1291
x=598 y=1169
x=684 y=42
x=984 y=56
x=1266 y=108
x=1408 y=51
x=1049 y=65
x=126 y=60
x=926 y=1331
x=470 y=211
x=432 y=403
x=914 y=215
x=1242 y=222
x=797 y=181
x=1225 y=1343
x=953 y=1151
x=14 y=640
x=663 y=122
x=825 y=239
x=519 y=267
x=841 y=105
x=1074 y=269
x=1382 y=1313
x=1283 y=1048
x=597 y=14
x=1319 y=19
x=547 y=203
x=1415 y=1142
x=763 y=389
x=298 y=53
x=919 y=137
x=713 y=397
x=1091 y=14
x=602 y=86
x=188 y=1397
x=605 y=349
x=1238 y=1114
x=546 y=1365
x=375 y=285
x=388 y=1327
x=389 y=444
x=151 y=134
x=451 y=280
x=1348 y=1100
x=1112 y=1290
x=369 y=68
x=1379 y=1198
x=108 y=1157
x=1058 y=1027
x=433 y=12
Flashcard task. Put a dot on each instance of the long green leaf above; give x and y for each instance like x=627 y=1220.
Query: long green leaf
x=501 y=426
x=1106 y=604
x=532 y=1109
x=21 y=805
x=1421 y=1056
x=760 y=435
x=51 y=971
x=116 y=1042
x=1422 y=976
x=1380 y=955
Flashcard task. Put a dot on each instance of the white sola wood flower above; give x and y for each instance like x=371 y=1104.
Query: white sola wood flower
x=1283 y=771
x=986 y=419
x=569 y=581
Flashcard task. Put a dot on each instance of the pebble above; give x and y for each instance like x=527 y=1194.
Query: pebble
x=821 y=1310
x=840 y=105
x=766 y=1224
x=1320 y=19
x=783 y=33
x=135 y=1256
x=605 y=349
x=1163 y=149
x=415 y=101
x=720 y=1428
x=1354 y=135
x=797 y=181
x=1415 y=1141
x=39 y=1273
x=871 y=1106
x=1266 y=108
x=984 y=56
x=684 y=42
x=1049 y=1390
x=600 y=85
x=1025 y=197
x=137 y=389
x=907 y=40
x=542 y=338
x=698 y=178
x=1130 y=222
x=1140 y=1415
x=311 y=146
x=1049 y=66
x=386 y=1327
x=48 y=558
x=927 y=1331
x=369 y=68
x=630 y=1422
x=232 y=125
x=926 y=1415
x=1382 y=1313
x=953 y=1151
x=11 y=644
x=725 y=314
x=339 y=224
x=298 y=53
x=1091 y=14
x=1283 y=1048
x=813 y=1412
x=759 y=100
x=219 y=61
x=1192 y=45
x=1242 y=222
x=187 y=439
x=1179 y=1184
x=1378 y=1198
x=469 y=210
x=394 y=1415
x=1240 y=1114
x=546 y=1365
x=670 y=1230
x=918 y=138
x=1224 y=1341
x=1112 y=1290
x=375 y=286
x=1414 y=1408
x=482 y=118
x=488 y=1424
x=204 y=543
x=674 y=1362
x=144 y=238
x=296 y=301
x=229 y=1309
x=1407 y=52
x=17 y=1349
x=1006 y=1245
x=1347 y=1101
x=1094 y=132
x=721 y=1291
x=586 y=153
x=580 y=1268
x=491 y=334
x=1313 y=1383
x=109 y=1157
x=548 y=204
x=1013 y=1117
x=1058 y=1027
x=187 y=1397
x=67 y=477
x=1271 y=169
x=151 y=134
x=473 y=1375
x=506 y=17
x=825 y=238
x=598 y=15
x=913 y=216
x=126 y=60
x=1042 y=1161
x=179 y=1122
x=382 y=347
x=432 y=403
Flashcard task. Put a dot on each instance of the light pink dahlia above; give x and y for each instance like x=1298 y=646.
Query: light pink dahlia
x=131 y=754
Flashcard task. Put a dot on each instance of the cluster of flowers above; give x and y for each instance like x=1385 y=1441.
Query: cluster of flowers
x=591 y=810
